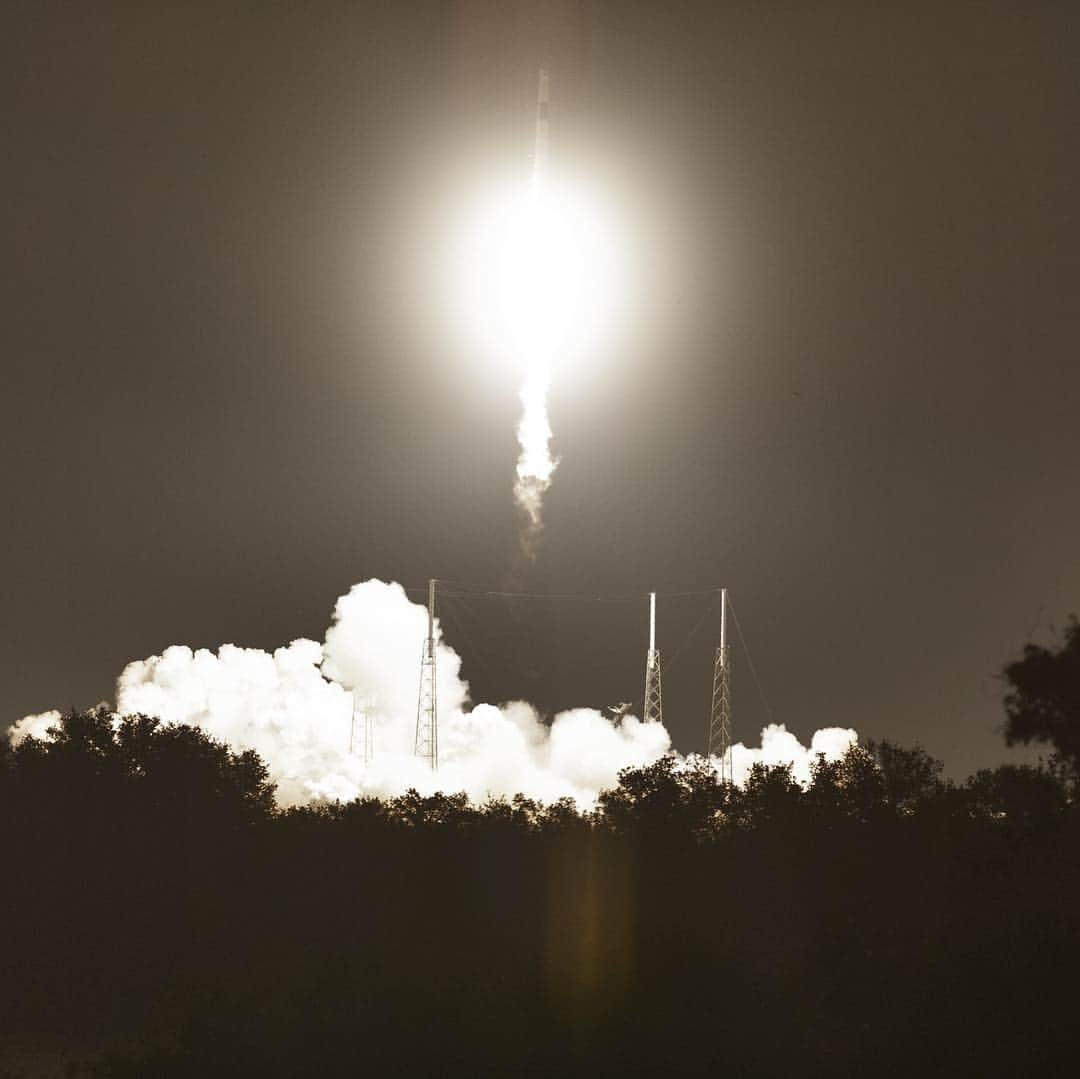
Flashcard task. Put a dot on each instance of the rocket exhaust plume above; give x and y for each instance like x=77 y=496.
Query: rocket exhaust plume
x=536 y=274
x=536 y=465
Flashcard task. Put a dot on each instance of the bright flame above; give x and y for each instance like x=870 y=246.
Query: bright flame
x=539 y=288
x=535 y=466
x=538 y=275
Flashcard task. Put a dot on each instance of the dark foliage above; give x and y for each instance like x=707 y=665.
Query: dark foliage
x=880 y=922
x=1043 y=702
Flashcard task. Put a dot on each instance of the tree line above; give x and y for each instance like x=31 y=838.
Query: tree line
x=163 y=917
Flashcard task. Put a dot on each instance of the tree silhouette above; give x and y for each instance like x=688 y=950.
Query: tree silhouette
x=1023 y=797
x=910 y=776
x=97 y=760
x=159 y=907
x=770 y=796
x=850 y=786
x=668 y=799
x=1043 y=702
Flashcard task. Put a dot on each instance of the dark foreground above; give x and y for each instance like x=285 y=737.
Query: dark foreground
x=162 y=919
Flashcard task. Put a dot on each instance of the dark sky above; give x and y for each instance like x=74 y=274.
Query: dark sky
x=846 y=387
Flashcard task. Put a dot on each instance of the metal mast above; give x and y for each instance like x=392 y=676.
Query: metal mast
x=362 y=736
x=720 y=715
x=653 y=711
x=427 y=717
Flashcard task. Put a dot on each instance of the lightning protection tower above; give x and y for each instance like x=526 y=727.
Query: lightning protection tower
x=362 y=736
x=427 y=716
x=720 y=715
x=653 y=711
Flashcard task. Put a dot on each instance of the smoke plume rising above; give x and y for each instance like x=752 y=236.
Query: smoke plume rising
x=536 y=466
x=294 y=708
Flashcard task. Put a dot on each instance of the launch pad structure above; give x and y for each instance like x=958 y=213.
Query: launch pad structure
x=426 y=745
x=426 y=742
x=361 y=734
x=719 y=742
x=652 y=710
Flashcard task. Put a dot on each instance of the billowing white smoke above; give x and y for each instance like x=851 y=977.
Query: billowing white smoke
x=535 y=466
x=36 y=726
x=284 y=707
x=294 y=707
x=279 y=705
x=780 y=746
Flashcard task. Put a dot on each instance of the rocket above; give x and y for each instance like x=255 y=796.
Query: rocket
x=540 y=151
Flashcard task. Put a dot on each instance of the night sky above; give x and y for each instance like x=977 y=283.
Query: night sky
x=845 y=382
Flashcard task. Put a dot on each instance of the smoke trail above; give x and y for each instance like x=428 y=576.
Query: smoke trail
x=535 y=274
x=536 y=465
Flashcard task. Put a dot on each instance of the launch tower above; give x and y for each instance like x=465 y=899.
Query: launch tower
x=720 y=715
x=427 y=715
x=361 y=736
x=653 y=711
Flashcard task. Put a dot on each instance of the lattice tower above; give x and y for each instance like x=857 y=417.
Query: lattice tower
x=720 y=714
x=427 y=713
x=362 y=734
x=653 y=711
